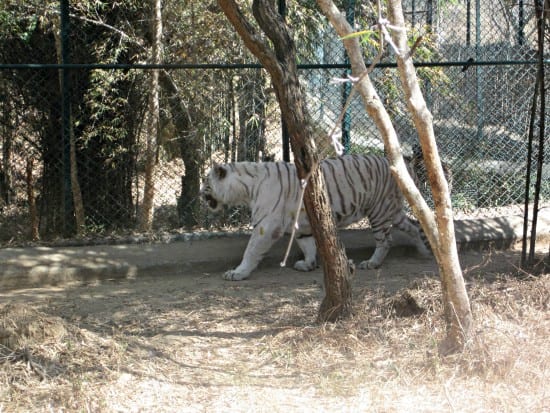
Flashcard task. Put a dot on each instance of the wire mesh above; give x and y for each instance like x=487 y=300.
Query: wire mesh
x=475 y=59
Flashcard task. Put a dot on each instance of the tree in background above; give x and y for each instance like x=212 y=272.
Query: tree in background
x=153 y=119
x=106 y=107
x=209 y=122
x=62 y=46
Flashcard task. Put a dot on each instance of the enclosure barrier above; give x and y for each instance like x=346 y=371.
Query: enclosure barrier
x=74 y=91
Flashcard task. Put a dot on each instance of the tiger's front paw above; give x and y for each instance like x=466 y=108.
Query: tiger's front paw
x=234 y=275
x=303 y=265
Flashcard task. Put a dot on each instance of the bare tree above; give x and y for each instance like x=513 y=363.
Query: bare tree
x=146 y=216
x=439 y=227
x=31 y=199
x=280 y=61
x=78 y=203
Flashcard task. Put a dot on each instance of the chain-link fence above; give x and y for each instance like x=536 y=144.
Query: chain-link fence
x=74 y=106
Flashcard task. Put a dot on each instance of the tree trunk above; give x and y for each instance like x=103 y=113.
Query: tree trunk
x=439 y=228
x=51 y=205
x=78 y=203
x=6 y=190
x=251 y=104
x=455 y=299
x=31 y=199
x=146 y=213
x=280 y=62
x=191 y=152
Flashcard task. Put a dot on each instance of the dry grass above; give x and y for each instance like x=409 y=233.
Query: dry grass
x=504 y=368
x=253 y=347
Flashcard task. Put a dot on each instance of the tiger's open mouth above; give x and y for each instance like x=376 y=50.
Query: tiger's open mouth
x=211 y=201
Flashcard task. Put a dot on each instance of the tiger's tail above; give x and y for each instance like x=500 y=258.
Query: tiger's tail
x=423 y=236
x=417 y=168
x=413 y=228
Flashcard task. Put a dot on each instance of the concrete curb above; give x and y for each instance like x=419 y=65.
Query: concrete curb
x=41 y=266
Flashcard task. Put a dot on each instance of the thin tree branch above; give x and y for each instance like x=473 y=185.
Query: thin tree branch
x=121 y=33
x=251 y=38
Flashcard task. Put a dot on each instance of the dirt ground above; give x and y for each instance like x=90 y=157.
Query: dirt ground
x=195 y=343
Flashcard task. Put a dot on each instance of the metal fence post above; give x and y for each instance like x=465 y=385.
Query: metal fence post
x=429 y=23
x=542 y=123
x=346 y=87
x=521 y=23
x=479 y=70
x=468 y=22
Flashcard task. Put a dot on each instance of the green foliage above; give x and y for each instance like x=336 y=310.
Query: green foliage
x=8 y=23
x=107 y=107
x=423 y=40
x=20 y=19
x=213 y=40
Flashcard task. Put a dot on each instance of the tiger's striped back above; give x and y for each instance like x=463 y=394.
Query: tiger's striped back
x=361 y=186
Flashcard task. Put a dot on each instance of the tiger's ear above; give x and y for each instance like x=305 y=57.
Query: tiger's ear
x=220 y=171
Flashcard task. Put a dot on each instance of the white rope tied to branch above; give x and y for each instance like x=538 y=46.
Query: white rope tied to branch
x=295 y=226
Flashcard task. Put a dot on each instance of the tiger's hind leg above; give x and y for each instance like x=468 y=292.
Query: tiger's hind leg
x=414 y=231
x=307 y=245
x=383 y=239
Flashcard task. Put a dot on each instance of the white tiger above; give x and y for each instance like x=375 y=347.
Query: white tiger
x=357 y=186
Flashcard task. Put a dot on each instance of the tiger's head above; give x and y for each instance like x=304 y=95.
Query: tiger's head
x=229 y=184
x=210 y=187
